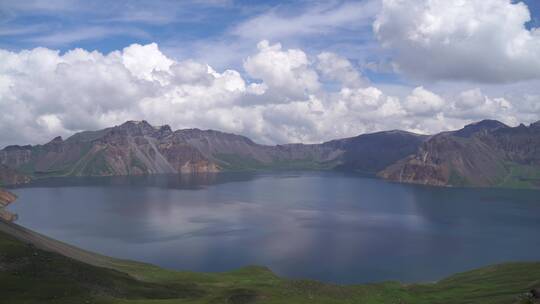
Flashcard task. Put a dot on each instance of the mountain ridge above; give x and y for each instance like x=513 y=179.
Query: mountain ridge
x=137 y=147
x=481 y=154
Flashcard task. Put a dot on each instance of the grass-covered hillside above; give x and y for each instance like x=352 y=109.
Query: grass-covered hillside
x=65 y=274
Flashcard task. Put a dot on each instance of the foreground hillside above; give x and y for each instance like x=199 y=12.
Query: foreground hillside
x=37 y=269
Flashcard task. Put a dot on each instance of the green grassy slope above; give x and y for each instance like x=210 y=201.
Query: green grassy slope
x=232 y=162
x=520 y=177
x=29 y=274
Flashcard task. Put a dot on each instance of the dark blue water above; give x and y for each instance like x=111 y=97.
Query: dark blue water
x=333 y=227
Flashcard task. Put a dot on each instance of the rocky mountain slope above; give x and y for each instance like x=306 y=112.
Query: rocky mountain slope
x=9 y=176
x=6 y=198
x=136 y=148
x=487 y=153
x=374 y=152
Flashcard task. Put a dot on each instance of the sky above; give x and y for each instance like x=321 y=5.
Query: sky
x=275 y=71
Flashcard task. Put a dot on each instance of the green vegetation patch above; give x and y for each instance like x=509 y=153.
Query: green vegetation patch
x=233 y=162
x=97 y=165
x=30 y=275
x=458 y=180
x=521 y=176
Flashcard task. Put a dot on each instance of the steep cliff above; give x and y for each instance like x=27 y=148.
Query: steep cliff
x=9 y=176
x=132 y=148
x=487 y=153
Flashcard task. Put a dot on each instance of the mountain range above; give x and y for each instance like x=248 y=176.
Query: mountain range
x=487 y=153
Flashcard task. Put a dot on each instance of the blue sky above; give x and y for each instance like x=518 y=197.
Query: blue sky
x=534 y=9
x=190 y=29
x=183 y=29
x=280 y=71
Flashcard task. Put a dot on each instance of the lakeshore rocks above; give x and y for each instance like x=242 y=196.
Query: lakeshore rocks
x=7 y=198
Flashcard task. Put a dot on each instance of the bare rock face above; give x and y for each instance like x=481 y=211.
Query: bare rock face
x=6 y=198
x=133 y=148
x=487 y=153
x=484 y=154
x=15 y=156
x=9 y=176
x=7 y=216
x=415 y=171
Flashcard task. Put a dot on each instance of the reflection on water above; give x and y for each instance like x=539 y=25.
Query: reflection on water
x=174 y=181
x=329 y=226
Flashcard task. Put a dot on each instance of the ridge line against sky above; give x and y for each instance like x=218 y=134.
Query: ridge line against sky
x=289 y=71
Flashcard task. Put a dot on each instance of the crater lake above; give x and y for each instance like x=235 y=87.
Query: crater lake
x=329 y=226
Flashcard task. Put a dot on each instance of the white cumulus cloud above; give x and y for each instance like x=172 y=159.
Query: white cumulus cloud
x=287 y=72
x=424 y=102
x=338 y=68
x=473 y=40
x=45 y=93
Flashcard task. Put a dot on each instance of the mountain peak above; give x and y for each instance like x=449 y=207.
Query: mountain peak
x=165 y=128
x=486 y=124
x=143 y=128
x=56 y=140
x=137 y=128
x=136 y=123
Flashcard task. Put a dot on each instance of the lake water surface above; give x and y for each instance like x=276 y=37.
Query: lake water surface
x=329 y=226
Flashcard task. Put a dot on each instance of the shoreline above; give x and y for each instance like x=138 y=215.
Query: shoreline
x=500 y=283
x=257 y=283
